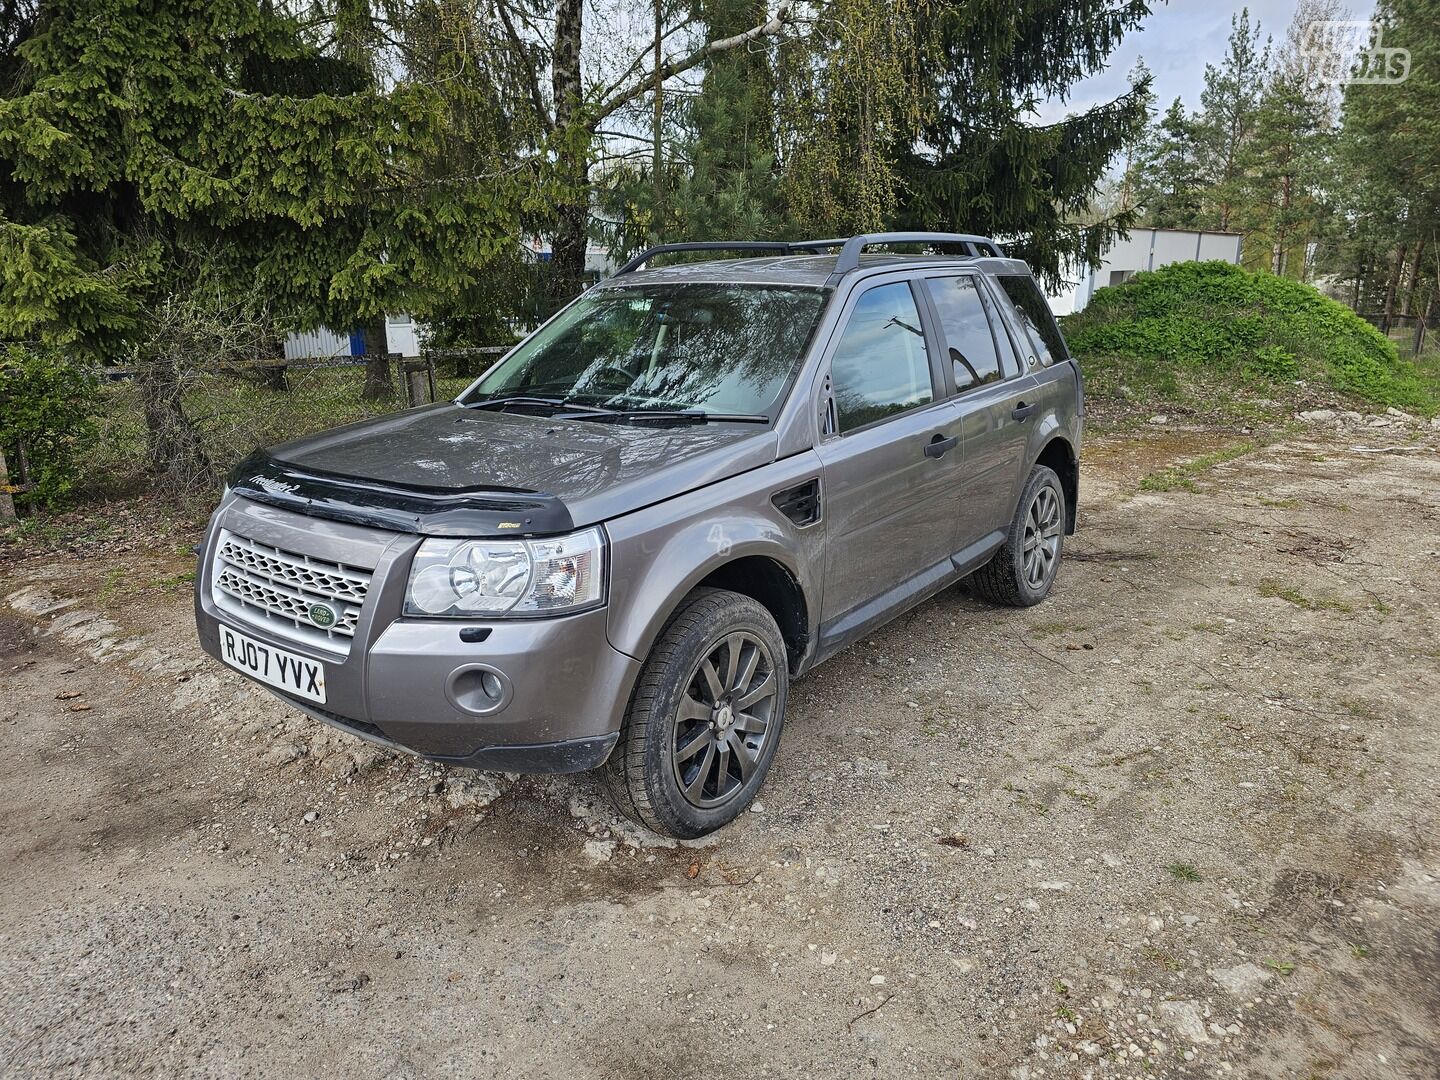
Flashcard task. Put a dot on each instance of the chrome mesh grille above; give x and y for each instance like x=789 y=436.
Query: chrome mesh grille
x=277 y=589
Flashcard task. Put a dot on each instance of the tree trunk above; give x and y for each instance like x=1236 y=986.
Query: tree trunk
x=572 y=218
x=1397 y=260
x=567 y=270
x=177 y=454
x=1421 y=328
x=378 y=382
x=1416 y=269
x=7 y=501
x=659 y=164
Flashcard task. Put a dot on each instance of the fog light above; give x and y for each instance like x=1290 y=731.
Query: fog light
x=478 y=689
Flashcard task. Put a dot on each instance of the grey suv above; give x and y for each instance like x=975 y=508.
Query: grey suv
x=692 y=485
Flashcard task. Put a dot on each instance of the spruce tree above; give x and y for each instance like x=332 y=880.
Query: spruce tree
x=148 y=149
x=981 y=164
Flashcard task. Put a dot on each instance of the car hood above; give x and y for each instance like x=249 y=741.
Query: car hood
x=438 y=459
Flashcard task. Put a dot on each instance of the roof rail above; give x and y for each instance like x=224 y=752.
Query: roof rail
x=974 y=245
x=850 y=247
x=777 y=247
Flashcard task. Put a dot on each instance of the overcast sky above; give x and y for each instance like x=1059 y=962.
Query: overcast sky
x=1177 y=41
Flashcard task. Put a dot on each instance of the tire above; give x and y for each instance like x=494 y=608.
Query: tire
x=690 y=758
x=1008 y=578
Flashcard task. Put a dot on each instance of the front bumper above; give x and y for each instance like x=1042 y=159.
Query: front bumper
x=414 y=684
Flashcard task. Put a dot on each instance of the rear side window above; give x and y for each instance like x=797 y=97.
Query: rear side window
x=1035 y=313
x=880 y=367
x=968 y=336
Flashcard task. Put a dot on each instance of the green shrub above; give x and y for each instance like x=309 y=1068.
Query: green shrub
x=1213 y=320
x=1275 y=362
x=47 y=405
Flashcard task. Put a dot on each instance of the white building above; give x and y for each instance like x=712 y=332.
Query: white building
x=1145 y=249
x=401 y=337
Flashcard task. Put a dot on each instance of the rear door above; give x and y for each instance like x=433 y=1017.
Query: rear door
x=1048 y=356
x=996 y=397
x=890 y=448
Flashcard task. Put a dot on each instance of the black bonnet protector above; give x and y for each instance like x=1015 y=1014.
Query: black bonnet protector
x=425 y=511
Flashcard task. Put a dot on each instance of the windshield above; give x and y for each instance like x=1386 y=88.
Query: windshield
x=715 y=348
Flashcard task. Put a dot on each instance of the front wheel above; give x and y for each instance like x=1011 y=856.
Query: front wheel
x=705 y=718
x=1021 y=573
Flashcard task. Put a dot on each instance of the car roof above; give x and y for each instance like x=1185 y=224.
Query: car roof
x=803 y=271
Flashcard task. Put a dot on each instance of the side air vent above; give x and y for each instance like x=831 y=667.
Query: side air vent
x=801 y=503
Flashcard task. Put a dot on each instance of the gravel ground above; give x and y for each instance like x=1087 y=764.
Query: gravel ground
x=1179 y=821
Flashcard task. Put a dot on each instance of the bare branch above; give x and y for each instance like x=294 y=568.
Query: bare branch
x=636 y=64
x=772 y=27
x=522 y=62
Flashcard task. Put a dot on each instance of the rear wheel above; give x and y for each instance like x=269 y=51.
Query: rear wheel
x=1023 y=570
x=705 y=718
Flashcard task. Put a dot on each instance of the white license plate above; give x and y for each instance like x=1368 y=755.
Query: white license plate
x=274 y=667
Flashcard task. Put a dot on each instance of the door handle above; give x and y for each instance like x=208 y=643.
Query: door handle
x=939 y=446
x=1022 y=411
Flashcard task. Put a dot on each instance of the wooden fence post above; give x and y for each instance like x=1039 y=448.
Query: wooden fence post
x=419 y=381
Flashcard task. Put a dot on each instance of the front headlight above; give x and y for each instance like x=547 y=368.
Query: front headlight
x=466 y=578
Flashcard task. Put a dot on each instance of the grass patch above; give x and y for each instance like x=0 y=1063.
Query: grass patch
x=1182 y=477
x=234 y=416
x=1183 y=871
x=1274 y=590
x=1047 y=629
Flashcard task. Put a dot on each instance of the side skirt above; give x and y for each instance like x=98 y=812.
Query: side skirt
x=846 y=629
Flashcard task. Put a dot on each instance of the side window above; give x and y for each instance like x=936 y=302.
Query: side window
x=880 y=367
x=1034 y=312
x=968 y=337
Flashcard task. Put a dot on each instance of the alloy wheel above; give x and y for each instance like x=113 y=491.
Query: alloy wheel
x=722 y=725
x=1042 y=537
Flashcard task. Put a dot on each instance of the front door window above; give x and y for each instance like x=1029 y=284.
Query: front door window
x=880 y=367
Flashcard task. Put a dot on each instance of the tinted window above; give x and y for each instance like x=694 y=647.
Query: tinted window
x=968 y=339
x=880 y=367
x=1035 y=314
x=721 y=348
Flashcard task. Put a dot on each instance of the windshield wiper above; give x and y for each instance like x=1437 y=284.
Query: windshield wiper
x=536 y=402
x=693 y=416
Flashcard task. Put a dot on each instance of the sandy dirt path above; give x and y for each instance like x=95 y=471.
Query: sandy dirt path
x=1180 y=820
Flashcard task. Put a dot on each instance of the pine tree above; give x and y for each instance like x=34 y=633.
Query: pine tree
x=575 y=108
x=980 y=165
x=732 y=189
x=719 y=177
x=1286 y=172
x=1390 y=147
x=1282 y=163
x=1229 y=111
x=1170 y=182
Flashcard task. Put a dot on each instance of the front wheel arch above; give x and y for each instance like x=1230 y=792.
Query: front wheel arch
x=754 y=565
x=644 y=773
